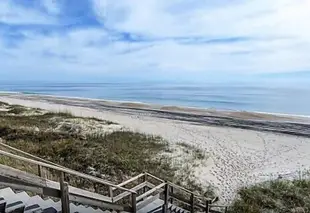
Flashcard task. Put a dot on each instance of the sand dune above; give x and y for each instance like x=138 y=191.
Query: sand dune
x=264 y=146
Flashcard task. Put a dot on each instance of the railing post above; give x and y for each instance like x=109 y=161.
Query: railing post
x=111 y=192
x=40 y=171
x=134 y=202
x=166 y=198
x=171 y=192
x=95 y=187
x=64 y=194
x=226 y=209
x=208 y=206
x=144 y=180
x=192 y=203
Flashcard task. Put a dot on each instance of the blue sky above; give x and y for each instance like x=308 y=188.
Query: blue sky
x=97 y=39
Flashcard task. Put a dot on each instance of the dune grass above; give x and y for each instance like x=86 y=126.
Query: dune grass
x=197 y=154
x=3 y=103
x=115 y=156
x=16 y=109
x=280 y=196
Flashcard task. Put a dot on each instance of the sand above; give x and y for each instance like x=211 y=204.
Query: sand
x=244 y=148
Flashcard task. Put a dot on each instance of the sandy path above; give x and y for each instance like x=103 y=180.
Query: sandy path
x=239 y=156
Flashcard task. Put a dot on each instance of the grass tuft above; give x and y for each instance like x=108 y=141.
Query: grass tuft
x=197 y=154
x=278 y=196
x=16 y=109
x=64 y=114
x=3 y=103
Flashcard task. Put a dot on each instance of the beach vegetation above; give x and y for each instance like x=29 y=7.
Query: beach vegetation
x=71 y=141
x=195 y=152
x=278 y=196
x=16 y=109
x=3 y=104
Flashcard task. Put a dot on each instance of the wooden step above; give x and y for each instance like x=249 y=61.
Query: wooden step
x=2 y=204
x=16 y=207
x=21 y=202
x=32 y=208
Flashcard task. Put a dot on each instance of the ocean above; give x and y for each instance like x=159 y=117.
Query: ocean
x=272 y=98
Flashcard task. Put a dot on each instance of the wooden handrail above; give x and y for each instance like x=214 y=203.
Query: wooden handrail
x=65 y=170
x=40 y=159
x=22 y=180
x=125 y=194
x=129 y=181
x=28 y=155
x=179 y=199
x=150 y=191
x=152 y=176
x=219 y=206
x=188 y=191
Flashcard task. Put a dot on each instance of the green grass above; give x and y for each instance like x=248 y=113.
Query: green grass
x=63 y=114
x=18 y=164
x=67 y=114
x=193 y=157
x=197 y=154
x=106 y=122
x=117 y=156
x=16 y=109
x=3 y=103
x=279 y=196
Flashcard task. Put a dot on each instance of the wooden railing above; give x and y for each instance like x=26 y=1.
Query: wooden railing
x=223 y=208
x=23 y=180
x=167 y=189
x=150 y=186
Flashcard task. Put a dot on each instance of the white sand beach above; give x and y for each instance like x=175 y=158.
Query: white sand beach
x=263 y=147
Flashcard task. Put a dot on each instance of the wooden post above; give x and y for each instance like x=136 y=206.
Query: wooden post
x=144 y=180
x=166 y=198
x=134 y=202
x=2 y=202
x=192 y=203
x=171 y=191
x=226 y=209
x=64 y=194
x=95 y=185
x=111 y=192
x=208 y=206
x=40 y=171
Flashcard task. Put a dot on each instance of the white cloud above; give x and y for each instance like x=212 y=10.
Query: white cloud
x=278 y=32
x=253 y=17
x=278 y=29
x=12 y=13
x=52 y=6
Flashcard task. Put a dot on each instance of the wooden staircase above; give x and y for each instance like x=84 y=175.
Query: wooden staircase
x=21 y=202
x=144 y=193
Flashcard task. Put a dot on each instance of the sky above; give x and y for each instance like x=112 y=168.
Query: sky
x=146 y=39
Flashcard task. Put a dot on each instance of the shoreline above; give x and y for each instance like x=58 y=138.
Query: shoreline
x=298 y=126
x=162 y=107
